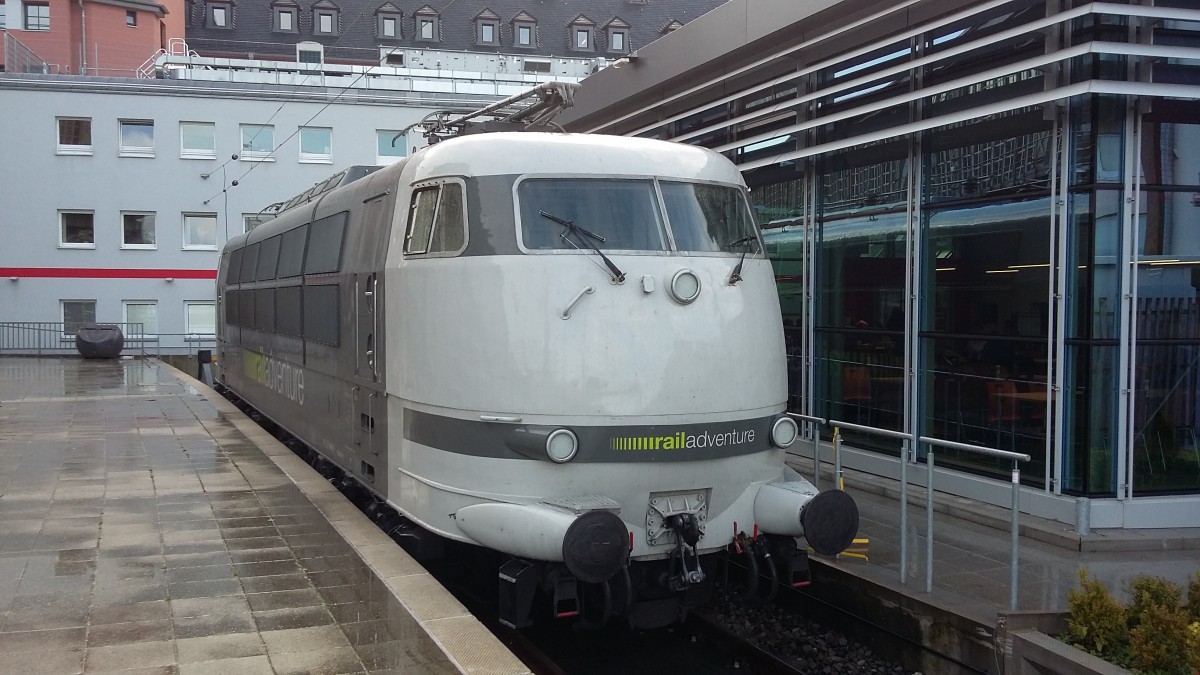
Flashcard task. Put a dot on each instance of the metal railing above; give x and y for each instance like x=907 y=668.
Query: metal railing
x=50 y=338
x=908 y=441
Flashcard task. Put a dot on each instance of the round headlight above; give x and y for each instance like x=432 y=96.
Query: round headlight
x=784 y=432
x=561 y=445
x=685 y=286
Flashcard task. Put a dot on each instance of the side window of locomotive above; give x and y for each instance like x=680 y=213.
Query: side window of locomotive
x=250 y=262
x=436 y=222
x=449 y=227
x=291 y=252
x=288 y=312
x=623 y=212
x=706 y=217
x=325 y=244
x=235 y=266
x=268 y=259
x=420 y=220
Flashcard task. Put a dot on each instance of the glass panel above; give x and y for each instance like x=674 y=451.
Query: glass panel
x=385 y=151
x=324 y=252
x=1168 y=226
x=250 y=263
x=77 y=228
x=487 y=33
x=137 y=136
x=988 y=275
x=257 y=140
x=264 y=309
x=1170 y=149
x=138 y=229
x=785 y=246
x=420 y=221
x=426 y=28
x=449 y=232
x=75 y=132
x=322 y=322
x=524 y=35
x=235 y=266
x=291 y=252
x=145 y=314
x=268 y=259
x=288 y=311
x=1090 y=410
x=200 y=230
x=285 y=21
x=623 y=212
x=198 y=139
x=326 y=23
x=316 y=144
x=76 y=313
x=706 y=217
x=201 y=318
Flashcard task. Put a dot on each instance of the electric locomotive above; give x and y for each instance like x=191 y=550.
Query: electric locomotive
x=563 y=348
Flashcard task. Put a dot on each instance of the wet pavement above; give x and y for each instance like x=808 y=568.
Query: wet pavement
x=147 y=527
x=972 y=551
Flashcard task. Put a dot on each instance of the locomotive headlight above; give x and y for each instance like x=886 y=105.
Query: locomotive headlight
x=561 y=445
x=784 y=432
x=685 y=286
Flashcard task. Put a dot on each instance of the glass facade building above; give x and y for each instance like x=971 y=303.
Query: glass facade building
x=985 y=225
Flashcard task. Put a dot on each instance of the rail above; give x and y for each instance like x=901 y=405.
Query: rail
x=51 y=338
x=909 y=440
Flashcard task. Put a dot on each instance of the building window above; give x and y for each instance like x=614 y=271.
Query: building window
x=618 y=40
x=316 y=145
x=427 y=24
x=131 y=18
x=310 y=52
x=76 y=314
x=197 y=140
x=200 y=231
x=487 y=28
x=137 y=138
x=258 y=142
x=392 y=57
x=220 y=15
x=285 y=19
x=581 y=34
x=253 y=220
x=37 y=16
x=200 y=318
x=524 y=35
x=389 y=26
x=388 y=152
x=77 y=229
x=137 y=229
x=582 y=39
x=74 y=135
x=326 y=23
x=144 y=313
x=3 y=17
x=534 y=66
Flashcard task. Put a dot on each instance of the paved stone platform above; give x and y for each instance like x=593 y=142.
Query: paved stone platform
x=146 y=526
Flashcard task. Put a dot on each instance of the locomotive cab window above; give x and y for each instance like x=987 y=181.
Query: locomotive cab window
x=622 y=214
x=707 y=217
x=436 y=221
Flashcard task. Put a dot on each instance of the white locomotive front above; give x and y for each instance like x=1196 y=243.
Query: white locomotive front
x=566 y=349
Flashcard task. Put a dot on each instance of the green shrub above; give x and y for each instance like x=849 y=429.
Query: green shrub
x=1097 y=621
x=1193 y=598
x=1158 y=645
x=1150 y=595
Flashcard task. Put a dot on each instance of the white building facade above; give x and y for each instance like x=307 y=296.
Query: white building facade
x=118 y=194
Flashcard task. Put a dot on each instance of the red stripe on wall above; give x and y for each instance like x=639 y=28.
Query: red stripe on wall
x=104 y=273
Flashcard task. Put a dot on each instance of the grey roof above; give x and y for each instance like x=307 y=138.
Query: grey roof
x=252 y=25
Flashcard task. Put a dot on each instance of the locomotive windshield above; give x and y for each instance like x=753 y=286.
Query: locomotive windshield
x=625 y=214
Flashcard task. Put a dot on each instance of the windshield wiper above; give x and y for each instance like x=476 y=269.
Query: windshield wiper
x=617 y=275
x=736 y=276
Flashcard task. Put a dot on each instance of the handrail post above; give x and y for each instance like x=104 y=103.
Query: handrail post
x=929 y=520
x=816 y=434
x=837 y=458
x=1016 y=527
x=904 y=511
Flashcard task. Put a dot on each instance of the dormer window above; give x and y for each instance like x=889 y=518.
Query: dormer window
x=581 y=34
x=388 y=21
x=220 y=15
x=427 y=25
x=524 y=30
x=487 y=28
x=325 y=18
x=285 y=17
x=671 y=27
x=617 y=32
